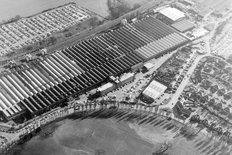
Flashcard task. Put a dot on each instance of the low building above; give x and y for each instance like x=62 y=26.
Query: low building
x=170 y=15
x=106 y=88
x=156 y=10
x=114 y=79
x=124 y=21
x=134 y=20
x=199 y=32
x=147 y=66
x=183 y=26
x=187 y=2
x=12 y=63
x=28 y=57
x=126 y=78
x=137 y=67
x=44 y=51
x=154 y=90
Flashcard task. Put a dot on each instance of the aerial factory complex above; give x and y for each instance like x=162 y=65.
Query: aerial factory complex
x=158 y=62
x=40 y=84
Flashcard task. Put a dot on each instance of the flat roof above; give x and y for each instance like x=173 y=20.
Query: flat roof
x=105 y=86
x=155 y=89
x=172 y=13
x=126 y=76
x=148 y=65
x=200 y=32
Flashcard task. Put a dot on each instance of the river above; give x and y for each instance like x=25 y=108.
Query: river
x=101 y=136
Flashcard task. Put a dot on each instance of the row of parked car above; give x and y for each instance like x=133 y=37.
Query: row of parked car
x=27 y=31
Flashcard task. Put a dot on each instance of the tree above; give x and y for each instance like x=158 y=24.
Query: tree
x=212 y=126
x=227 y=133
x=219 y=130
x=94 y=21
x=205 y=122
x=230 y=116
x=195 y=119
x=53 y=40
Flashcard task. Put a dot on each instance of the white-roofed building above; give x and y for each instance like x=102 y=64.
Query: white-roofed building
x=106 y=88
x=126 y=78
x=154 y=90
x=199 y=32
x=148 y=66
x=170 y=15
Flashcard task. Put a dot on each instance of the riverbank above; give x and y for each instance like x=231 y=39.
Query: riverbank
x=105 y=130
x=97 y=129
x=89 y=136
x=62 y=113
x=183 y=138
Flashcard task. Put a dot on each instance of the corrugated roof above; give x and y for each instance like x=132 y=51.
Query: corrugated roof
x=183 y=25
x=172 y=13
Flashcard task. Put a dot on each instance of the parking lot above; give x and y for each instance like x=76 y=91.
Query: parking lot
x=30 y=30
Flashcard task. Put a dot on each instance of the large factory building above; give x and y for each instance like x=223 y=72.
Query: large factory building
x=39 y=85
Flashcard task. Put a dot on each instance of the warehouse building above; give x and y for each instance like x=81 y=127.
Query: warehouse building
x=154 y=90
x=126 y=78
x=199 y=32
x=43 y=84
x=183 y=26
x=106 y=88
x=147 y=66
x=170 y=15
